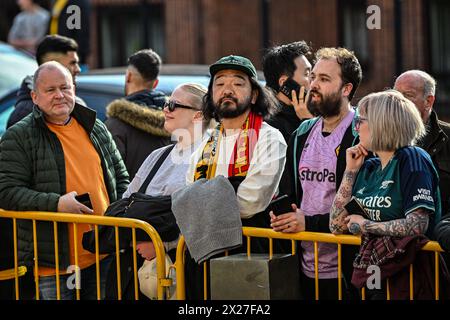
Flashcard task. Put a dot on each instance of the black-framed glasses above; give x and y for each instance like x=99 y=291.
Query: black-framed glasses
x=358 y=121
x=172 y=105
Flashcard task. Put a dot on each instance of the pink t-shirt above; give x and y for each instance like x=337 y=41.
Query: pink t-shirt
x=317 y=174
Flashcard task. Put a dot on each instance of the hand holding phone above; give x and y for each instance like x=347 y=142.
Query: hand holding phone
x=297 y=95
x=280 y=205
x=355 y=207
x=84 y=199
x=289 y=85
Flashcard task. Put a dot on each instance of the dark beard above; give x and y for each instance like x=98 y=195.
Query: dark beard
x=223 y=110
x=329 y=106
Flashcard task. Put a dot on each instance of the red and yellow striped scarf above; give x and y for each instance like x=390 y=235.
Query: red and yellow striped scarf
x=242 y=152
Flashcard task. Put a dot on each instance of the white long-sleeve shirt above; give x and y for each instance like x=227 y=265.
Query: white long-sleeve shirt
x=267 y=164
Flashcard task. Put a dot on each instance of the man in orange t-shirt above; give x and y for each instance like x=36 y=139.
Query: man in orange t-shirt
x=58 y=152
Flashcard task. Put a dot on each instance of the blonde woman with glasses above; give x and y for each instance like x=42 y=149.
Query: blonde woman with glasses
x=185 y=122
x=397 y=189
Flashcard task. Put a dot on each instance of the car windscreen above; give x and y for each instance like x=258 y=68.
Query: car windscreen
x=13 y=68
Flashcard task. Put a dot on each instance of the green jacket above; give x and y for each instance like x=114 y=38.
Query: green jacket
x=32 y=178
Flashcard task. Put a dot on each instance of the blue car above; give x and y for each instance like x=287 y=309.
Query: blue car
x=14 y=66
x=97 y=88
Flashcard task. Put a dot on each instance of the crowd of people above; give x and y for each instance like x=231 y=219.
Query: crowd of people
x=237 y=146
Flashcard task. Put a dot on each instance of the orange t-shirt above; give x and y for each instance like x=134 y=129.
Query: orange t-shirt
x=83 y=174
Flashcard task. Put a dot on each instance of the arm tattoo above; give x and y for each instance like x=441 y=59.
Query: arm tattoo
x=415 y=223
x=355 y=228
x=337 y=212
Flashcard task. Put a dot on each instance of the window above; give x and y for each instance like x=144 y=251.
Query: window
x=125 y=30
x=353 y=30
x=440 y=30
x=439 y=26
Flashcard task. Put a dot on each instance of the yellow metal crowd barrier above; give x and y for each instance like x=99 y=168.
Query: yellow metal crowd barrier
x=162 y=280
x=76 y=219
x=314 y=237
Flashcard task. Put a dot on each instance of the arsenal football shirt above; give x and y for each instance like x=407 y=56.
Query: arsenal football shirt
x=408 y=182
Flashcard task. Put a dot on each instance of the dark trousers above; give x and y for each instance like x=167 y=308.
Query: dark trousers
x=27 y=290
x=194 y=277
x=328 y=289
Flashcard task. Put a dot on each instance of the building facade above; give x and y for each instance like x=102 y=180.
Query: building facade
x=390 y=37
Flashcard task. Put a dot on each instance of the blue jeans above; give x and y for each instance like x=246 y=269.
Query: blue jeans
x=88 y=284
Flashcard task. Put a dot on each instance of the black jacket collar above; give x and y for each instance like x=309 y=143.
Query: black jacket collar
x=84 y=115
x=436 y=137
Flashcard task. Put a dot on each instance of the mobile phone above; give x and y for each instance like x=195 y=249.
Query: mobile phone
x=84 y=199
x=281 y=205
x=289 y=85
x=355 y=207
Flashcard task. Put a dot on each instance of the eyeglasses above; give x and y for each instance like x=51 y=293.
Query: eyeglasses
x=172 y=105
x=358 y=121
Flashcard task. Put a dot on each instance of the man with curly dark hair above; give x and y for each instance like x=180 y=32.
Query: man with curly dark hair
x=285 y=67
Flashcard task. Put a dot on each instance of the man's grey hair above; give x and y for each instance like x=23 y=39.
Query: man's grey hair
x=50 y=65
x=429 y=83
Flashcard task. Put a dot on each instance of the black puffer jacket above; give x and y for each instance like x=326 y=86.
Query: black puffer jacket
x=286 y=120
x=442 y=233
x=437 y=144
x=32 y=178
x=137 y=126
x=148 y=98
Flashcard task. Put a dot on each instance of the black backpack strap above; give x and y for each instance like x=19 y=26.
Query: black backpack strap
x=155 y=169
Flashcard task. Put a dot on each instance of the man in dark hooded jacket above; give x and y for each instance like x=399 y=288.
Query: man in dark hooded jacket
x=137 y=121
x=283 y=65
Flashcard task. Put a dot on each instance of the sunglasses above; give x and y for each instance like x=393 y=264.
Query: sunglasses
x=358 y=121
x=172 y=105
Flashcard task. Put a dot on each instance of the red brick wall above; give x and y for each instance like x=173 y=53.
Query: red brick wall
x=234 y=27
x=182 y=31
x=414 y=39
x=311 y=20
x=231 y=27
x=381 y=43
x=317 y=22
x=93 y=58
x=201 y=31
